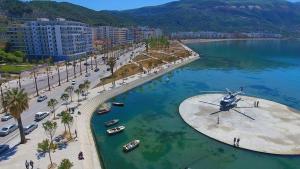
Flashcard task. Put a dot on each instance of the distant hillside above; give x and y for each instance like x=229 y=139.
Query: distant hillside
x=22 y=11
x=221 y=15
x=272 y=16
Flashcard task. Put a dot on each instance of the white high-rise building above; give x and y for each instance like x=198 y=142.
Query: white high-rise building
x=60 y=39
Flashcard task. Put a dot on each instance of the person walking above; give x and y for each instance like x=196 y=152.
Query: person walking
x=238 y=142
x=75 y=133
x=31 y=164
x=26 y=164
x=257 y=103
x=234 y=140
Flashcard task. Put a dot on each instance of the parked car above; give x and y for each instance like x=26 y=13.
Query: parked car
x=8 y=129
x=96 y=70
x=73 y=82
x=3 y=148
x=87 y=74
x=40 y=115
x=42 y=98
x=28 y=129
x=108 y=69
x=6 y=117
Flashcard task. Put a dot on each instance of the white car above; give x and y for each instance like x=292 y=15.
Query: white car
x=28 y=129
x=8 y=129
x=42 y=98
x=6 y=117
x=40 y=115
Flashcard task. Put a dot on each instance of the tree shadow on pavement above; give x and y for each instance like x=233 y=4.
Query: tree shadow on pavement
x=8 y=153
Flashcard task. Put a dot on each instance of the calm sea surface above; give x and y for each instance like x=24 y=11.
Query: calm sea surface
x=267 y=69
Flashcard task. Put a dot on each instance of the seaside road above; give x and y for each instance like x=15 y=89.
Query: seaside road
x=34 y=106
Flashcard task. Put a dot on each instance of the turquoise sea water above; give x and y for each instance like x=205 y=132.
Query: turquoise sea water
x=267 y=69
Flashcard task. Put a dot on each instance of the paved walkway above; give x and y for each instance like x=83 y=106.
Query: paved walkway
x=270 y=128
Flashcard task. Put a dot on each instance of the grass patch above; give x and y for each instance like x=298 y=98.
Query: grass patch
x=124 y=71
x=164 y=57
x=15 y=68
x=140 y=57
x=151 y=63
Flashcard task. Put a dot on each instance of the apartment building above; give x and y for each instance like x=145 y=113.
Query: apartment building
x=114 y=36
x=60 y=39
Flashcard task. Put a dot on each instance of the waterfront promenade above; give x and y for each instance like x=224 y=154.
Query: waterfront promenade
x=85 y=141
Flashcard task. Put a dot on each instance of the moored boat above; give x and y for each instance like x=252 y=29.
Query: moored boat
x=103 y=111
x=111 y=122
x=115 y=130
x=131 y=145
x=104 y=108
x=118 y=104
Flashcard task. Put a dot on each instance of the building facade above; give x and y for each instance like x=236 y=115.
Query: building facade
x=60 y=39
x=114 y=36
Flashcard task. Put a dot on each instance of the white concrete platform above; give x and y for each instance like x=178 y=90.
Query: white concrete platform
x=274 y=130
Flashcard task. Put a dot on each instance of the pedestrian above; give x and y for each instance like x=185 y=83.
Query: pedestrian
x=75 y=133
x=31 y=164
x=238 y=142
x=257 y=103
x=234 y=140
x=26 y=164
x=254 y=103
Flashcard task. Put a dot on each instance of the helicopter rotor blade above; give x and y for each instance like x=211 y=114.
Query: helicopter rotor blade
x=216 y=112
x=243 y=114
x=209 y=103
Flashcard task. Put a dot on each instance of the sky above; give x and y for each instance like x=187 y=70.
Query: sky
x=115 y=4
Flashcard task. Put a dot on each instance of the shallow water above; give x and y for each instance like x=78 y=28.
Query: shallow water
x=267 y=69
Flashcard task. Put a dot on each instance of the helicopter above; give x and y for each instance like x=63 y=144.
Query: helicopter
x=229 y=102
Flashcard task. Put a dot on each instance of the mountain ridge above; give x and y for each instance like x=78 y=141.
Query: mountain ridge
x=273 y=16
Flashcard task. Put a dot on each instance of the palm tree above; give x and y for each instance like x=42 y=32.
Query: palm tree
x=47 y=69
x=52 y=104
x=80 y=60
x=58 y=73
x=91 y=62
x=17 y=102
x=65 y=97
x=78 y=92
x=67 y=64
x=95 y=58
x=74 y=68
x=50 y=129
x=45 y=147
x=86 y=64
x=65 y=164
x=87 y=84
x=67 y=119
x=35 y=82
x=20 y=85
x=111 y=62
x=3 y=101
x=70 y=90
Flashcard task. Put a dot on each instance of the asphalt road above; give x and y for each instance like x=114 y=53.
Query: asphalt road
x=34 y=106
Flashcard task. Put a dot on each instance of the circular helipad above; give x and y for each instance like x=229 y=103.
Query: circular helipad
x=270 y=128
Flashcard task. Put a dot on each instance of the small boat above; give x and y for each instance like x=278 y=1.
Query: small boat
x=131 y=145
x=104 y=108
x=103 y=111
x=118 y=104
x=111 y=122
x=115 y=130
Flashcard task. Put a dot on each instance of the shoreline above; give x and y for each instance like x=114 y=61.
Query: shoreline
x=93 y=157
x=192 y=41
